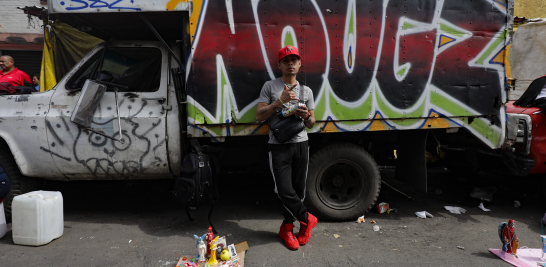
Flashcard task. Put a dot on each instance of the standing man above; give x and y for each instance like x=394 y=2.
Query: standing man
x=289 y=160
x=10 y=73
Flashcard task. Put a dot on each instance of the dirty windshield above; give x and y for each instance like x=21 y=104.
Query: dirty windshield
x=137 y=68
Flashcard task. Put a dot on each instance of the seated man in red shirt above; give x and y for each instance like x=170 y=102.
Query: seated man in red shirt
x=11 y=75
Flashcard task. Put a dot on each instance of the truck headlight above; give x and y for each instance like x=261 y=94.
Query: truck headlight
x=519 y=131
x=522 y=125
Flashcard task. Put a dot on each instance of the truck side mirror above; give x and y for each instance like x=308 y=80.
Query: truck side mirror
x=86 y=106
x=83 y=113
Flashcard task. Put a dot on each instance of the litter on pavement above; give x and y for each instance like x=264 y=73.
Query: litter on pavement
x=455 y=210
x=482 y=207
x=360 y=219
x=517 y=204
x=382 y=207
x=423 y=214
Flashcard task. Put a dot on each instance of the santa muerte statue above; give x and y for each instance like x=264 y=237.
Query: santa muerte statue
x=508 y=237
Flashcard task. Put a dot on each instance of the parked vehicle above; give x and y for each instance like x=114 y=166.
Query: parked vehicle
x=524 y=145
x=384 y=75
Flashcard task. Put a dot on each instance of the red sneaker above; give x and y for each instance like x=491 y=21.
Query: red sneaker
x=305 y=229
x=288 y=236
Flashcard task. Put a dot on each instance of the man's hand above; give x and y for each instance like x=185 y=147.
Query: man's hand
x=288 y=94
x=302 y=112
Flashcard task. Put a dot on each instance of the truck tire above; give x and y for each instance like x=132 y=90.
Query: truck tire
x=19 y=183
x=343 y=182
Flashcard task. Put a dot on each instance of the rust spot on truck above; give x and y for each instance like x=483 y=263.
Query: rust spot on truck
x=22 y=98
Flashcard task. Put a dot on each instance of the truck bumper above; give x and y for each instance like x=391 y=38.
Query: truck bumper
x=500 y=161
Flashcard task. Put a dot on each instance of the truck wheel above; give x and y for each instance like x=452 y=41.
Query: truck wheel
x=343 y=182
x=19 y=183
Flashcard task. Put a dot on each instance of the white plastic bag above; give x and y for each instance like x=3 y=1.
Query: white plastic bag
x=455 y=210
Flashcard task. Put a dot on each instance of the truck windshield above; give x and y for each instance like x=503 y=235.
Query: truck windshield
x=138 y=68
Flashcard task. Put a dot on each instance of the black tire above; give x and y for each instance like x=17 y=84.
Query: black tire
x=19 y=183
x=343 y=182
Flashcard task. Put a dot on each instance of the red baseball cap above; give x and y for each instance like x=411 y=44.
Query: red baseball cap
x=288 y=50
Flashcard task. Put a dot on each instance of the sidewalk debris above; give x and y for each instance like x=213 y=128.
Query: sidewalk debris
x=460 y=247
x=382 y=207
x=360 y=219
x=482 y=207
x=336 y=235
x=423 y=214
x=483 y=193
x=376 y=228
x=455 y=210
x=517 y=204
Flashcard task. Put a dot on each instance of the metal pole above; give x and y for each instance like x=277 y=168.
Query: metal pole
x=162 y=41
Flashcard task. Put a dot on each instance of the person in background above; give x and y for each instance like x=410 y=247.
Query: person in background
x=10 y=73
x=36 y=81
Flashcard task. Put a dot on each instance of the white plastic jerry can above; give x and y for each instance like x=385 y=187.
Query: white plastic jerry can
x=37 y=218
x=3 y=225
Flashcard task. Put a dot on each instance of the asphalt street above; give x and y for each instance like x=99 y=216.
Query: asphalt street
x=135 y=223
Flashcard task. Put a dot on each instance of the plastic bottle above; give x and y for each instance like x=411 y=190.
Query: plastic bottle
x=543 y=237
x=289 y=111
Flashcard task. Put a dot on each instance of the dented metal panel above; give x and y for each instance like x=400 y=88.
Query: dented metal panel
x=95 y=6
x=81 y=154
x=23 y=127
x=395 y=62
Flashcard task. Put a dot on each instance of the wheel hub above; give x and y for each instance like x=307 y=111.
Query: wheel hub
x=337 y=181
x=342 y=184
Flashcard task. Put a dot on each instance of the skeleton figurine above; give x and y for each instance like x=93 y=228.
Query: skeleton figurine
x=212 y=260
x=199 y=241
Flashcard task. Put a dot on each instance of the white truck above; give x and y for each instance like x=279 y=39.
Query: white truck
x=384 y=74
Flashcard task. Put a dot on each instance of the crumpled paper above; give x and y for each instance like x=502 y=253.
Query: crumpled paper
x=482 y=207
x=423 y=214
x=455 y=210
x=360 y=219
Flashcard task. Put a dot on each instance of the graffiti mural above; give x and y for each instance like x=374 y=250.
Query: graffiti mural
x=78 y=6
x=372 y=65
x=78 y=151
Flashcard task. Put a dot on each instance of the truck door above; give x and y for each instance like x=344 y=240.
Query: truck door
x=84 y=154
